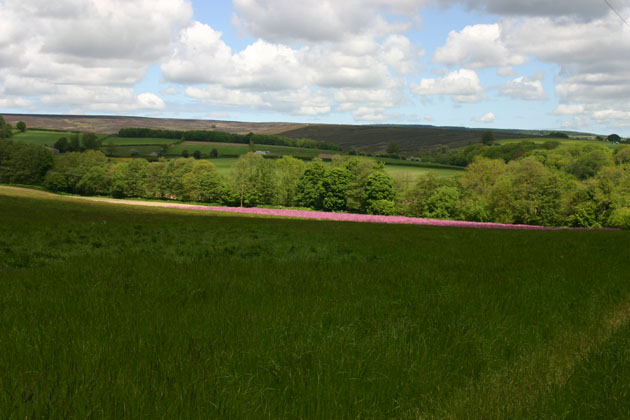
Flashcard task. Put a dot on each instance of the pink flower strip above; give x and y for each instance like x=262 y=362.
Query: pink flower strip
x=363 y=218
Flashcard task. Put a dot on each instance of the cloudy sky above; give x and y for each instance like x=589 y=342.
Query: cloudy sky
x=536 y=64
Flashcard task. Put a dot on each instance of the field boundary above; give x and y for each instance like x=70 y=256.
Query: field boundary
x=306 y=214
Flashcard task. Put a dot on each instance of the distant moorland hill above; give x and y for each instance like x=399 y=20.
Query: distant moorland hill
x=367 y=138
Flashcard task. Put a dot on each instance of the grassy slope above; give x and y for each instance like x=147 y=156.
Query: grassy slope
x=40 y=138
x=562 y=141
x=112 y=311
x=375 y=138
x=205 y=149
x=126 y=141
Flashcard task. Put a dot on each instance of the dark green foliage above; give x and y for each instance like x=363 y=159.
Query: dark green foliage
x=185 y=153
x=22 y=163
x=487 y=137
x=378 y=188
x=214 y=153
x=310 y=191
x=222 y=137
x=62 y=145
x=613 y=138
x=197 y=154
x=335 y=185
x=558 y=135
x=393 y=149
x=116 y=312
x=74 y=144
x=21 y=125
x=5 y=129
x=90 y=141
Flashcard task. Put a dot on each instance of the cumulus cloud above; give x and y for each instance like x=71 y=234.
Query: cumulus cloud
x=463 y=85
x=478 y=46
x=569 y=109
x=588 y=44
x=486 y=119
x=364 y=72
x=529 y=89
x=585 y=9
x=93 y=45
x=321 y=20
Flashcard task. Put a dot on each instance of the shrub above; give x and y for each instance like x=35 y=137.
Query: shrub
x=620 y=218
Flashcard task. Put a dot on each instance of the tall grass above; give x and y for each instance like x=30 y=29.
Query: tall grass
x=111 y=311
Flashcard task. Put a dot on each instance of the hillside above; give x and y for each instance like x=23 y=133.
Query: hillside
x=111 y=124
x=369 y=138
x=410 y=138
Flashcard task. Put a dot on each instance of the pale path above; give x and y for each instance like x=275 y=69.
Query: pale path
x=308 y=214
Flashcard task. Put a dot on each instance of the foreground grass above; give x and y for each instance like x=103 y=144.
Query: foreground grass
x=110 y=311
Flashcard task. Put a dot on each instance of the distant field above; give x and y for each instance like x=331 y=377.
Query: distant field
x=40 y=138
x=412 y=173
x=110 y=311
x=562 y=141
x=376 y=138
x=125 y=151
x=205 y=149
x=123 y=141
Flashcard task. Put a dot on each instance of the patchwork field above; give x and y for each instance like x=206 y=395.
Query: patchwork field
x=40 y=138
x=241 y=149
x=562 y=141
x=116 y=311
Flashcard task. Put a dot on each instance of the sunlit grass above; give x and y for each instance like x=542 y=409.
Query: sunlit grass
x=111 y=311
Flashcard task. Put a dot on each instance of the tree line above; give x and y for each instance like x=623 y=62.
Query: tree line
x=223 y=137
x=581 y=185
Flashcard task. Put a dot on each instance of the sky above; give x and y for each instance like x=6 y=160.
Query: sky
x=526 y=64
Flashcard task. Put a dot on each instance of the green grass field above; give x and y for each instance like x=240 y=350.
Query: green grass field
x=124 y=141
x=562 y=141
x=113 y=311
x=125 y=151
x=205 y=150
x=40 y=138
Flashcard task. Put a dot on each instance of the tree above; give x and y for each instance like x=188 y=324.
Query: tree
x=21 y=126
x=214 y=153
x=379 y=186
x=74 y=145
x=62 y=145
x=487 y=137
x=613 y=138
x=393 y=149
x=335 y=184
x=309 y=191
x=185 y=153
x=288 y=170
x=22 y=163
x=90 y=141
x=244 y=178
x=5 y=129
x=197 y=154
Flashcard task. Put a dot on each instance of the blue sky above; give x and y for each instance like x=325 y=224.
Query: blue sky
x=482 y=63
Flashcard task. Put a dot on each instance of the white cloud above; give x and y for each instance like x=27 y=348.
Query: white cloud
x=289 y=21
x=529 y=89
x=428 y=117
x=569 y=109
x=478 y=46
x=581 y=8
x=486 y=119
x=364 y=72
x=93 y=45
x=463 y=85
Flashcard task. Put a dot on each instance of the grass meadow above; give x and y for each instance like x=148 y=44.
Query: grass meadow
x=237 y=150
x=128 y=141
x=563 y=142
x=40 y=138
x=113 y=311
